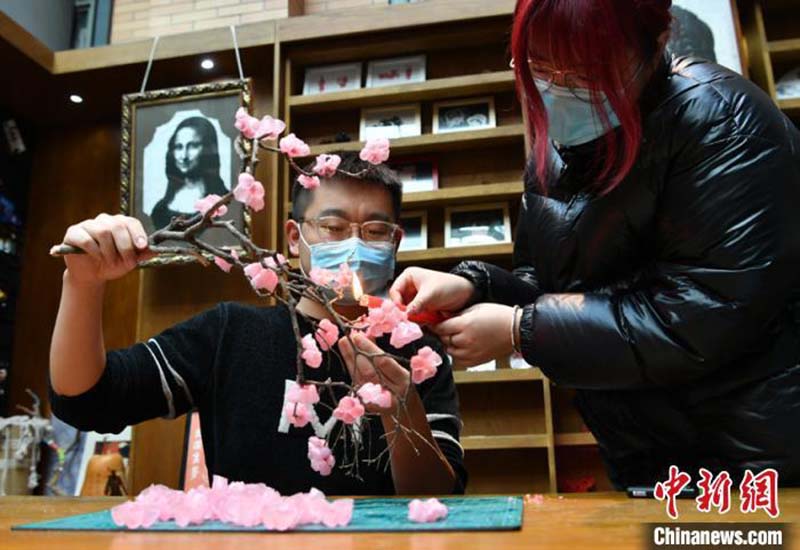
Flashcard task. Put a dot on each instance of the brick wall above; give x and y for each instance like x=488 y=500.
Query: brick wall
x=138 y=19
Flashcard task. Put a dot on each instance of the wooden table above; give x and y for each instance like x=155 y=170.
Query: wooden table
x=569 y=522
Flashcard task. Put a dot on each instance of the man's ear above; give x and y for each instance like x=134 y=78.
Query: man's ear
x=292 y=231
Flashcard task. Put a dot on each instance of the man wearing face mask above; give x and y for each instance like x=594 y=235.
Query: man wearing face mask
x=232 y=362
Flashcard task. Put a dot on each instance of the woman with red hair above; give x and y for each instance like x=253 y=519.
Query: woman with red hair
x=657 y=253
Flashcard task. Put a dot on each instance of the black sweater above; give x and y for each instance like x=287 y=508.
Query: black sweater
x=231 y=363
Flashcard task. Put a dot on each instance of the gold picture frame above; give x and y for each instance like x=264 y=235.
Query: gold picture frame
x=178 y=144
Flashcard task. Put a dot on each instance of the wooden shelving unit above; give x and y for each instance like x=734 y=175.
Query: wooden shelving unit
x=509 y=435
x=773 y=42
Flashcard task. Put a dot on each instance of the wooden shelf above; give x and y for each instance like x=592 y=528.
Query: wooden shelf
x=436 y=142
x=790 y=106
x=577 y=438
x=477 y=84
x=464 y=194
x=782 y=51
x=499 y=375
x=455 y=252
x=520 y=441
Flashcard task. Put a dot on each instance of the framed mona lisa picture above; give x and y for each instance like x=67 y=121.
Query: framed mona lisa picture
x=178 y=145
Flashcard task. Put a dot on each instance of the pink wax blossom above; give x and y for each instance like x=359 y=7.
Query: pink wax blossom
x=311 y=354
x=375 y=151
x=249 y=191
x=298 y=413
x=384 y=319
x=309 y=182
x=205 y=204
x=424 y=364
x=261 y=278
x=339 y=279
x=374 y=394
x=327 y=334
x=426 y=511
x=320 y=456
x=306 y=394
x=343 y=278
x=251 y=127
x=404 y=333
x=237 y=503
x=225 y=265
x=293 y=146
x=348 y=410
x=326 y=165
x=321 y=276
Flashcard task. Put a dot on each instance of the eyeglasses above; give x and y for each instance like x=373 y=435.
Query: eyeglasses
x=334 y=228
x=545 y=77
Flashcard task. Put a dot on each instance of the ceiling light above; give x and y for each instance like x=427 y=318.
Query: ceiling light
x=75 y=98
x=207 y=64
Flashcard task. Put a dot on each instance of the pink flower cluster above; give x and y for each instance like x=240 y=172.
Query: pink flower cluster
x=251 y=127
x=349 y=410
x=309 y=182
x=292 y=146
x=205 y=204
x=374 y=394
x=390 y=318
x=426 y=511
x=424 y=364
x=249 y=191
x=299 y=403
x=311 y=354
x=320 y=456
x=327 y=334
x=375 y=151
x=224 y=265
x=341 y=279
x=326 y=165
x=263 y=275
x=244 y=504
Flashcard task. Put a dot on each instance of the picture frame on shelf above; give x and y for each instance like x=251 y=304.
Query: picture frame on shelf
x=415 y=230
x=391 y=122
x=417 y=174
x=332 y=78
x=477 y=224
x=178 y=145
x=397 y=70
x=463 y=115
x=708 y=29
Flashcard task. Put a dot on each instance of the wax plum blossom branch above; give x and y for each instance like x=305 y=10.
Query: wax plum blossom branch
x=271 y=276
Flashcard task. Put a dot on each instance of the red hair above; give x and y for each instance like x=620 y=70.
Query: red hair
x=596 y=37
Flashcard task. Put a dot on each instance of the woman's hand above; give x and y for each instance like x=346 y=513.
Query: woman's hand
x=479 y=334
x=393 y=376
x=113 y=245
x=425 y=289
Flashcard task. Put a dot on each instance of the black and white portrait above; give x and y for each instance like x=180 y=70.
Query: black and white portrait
x=415 y=231
x=181 y=150
x=391 y=122
x=456 y=116
x=706 y=29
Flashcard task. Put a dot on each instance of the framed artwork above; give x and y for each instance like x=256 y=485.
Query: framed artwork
x=415 y=230
x=332 y=78
x=103 y=469
x=391 y=122
x=463 y=114
x=194 y=472
x=709 y=29
x=399 y=70
x=178 y=147
x=417 y=174
x=472 y=225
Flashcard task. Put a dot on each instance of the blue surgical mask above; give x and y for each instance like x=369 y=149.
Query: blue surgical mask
x=571 y=116
x=373 y=262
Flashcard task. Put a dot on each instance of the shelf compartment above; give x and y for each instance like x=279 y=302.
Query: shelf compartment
x=439 y=88
x=499 y=375
x=427 y=143
x=573 y=439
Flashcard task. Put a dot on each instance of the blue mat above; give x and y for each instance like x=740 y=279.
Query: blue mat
x=369 y=514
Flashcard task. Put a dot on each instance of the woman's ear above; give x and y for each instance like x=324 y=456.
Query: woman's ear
x=292 y=231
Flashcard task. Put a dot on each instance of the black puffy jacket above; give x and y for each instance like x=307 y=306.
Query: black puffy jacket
x=670 y=303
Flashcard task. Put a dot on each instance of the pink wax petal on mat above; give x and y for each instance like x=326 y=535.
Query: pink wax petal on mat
x=426 y=511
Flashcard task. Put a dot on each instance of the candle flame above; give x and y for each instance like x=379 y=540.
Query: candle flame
x=357 y=290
